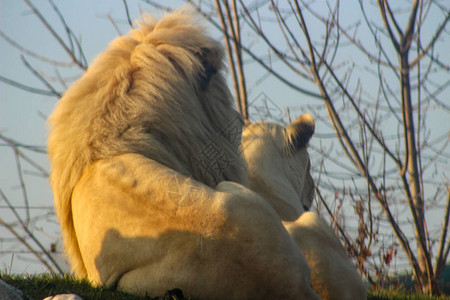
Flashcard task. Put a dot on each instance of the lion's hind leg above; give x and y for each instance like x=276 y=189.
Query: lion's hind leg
x=147 y=228
x=220 y=268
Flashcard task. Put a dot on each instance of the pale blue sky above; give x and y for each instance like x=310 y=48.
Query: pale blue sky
x=22 y=115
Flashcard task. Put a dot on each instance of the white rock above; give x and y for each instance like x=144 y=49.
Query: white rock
x=64 y=297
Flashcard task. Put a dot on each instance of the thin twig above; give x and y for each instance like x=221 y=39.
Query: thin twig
x=81 y=63
x=27 y=88
x=39 y=76
x=231 y=63
x=127 y=12
x=29 y=233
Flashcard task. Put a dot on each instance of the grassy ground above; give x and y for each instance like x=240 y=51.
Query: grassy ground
x=44 y=285
x=401 y=295
x=41 y=286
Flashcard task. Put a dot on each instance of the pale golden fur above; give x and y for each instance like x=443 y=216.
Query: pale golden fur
x=279 y=170
x=333 y=275
x=136 y=189
x=128 y=102
x=278 y=165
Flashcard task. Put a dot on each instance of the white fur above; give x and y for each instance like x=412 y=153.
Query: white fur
x=137 y=147
x=278 y=169
x=333 y=275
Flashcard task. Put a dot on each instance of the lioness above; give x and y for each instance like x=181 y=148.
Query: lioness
x=279 y=170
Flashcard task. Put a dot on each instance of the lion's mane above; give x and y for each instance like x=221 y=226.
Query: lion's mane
x=158 y=92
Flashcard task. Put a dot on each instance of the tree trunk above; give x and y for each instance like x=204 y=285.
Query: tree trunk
x=414 y=193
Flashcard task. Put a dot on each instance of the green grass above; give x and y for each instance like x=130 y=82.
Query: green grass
x=44 y=285
x=401 y=295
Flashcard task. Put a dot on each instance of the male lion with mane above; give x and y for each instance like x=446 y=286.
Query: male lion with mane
x=136 y=187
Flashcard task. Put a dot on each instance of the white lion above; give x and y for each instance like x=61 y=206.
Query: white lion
x=137 y=147
x=279 y=170
x=278 y=166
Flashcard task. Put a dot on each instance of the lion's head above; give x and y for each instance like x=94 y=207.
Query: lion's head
x=279 y=166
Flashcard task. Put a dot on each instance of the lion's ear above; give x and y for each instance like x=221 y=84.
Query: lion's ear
x=211 y=61
x=299 y=132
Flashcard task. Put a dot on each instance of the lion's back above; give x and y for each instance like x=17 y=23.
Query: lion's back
x=153 y=92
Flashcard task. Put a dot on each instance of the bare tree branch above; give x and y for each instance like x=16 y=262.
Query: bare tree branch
x=39 y=76
x=81 y=63
x=30 y=234
x=27 y=88
x=125 y=4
